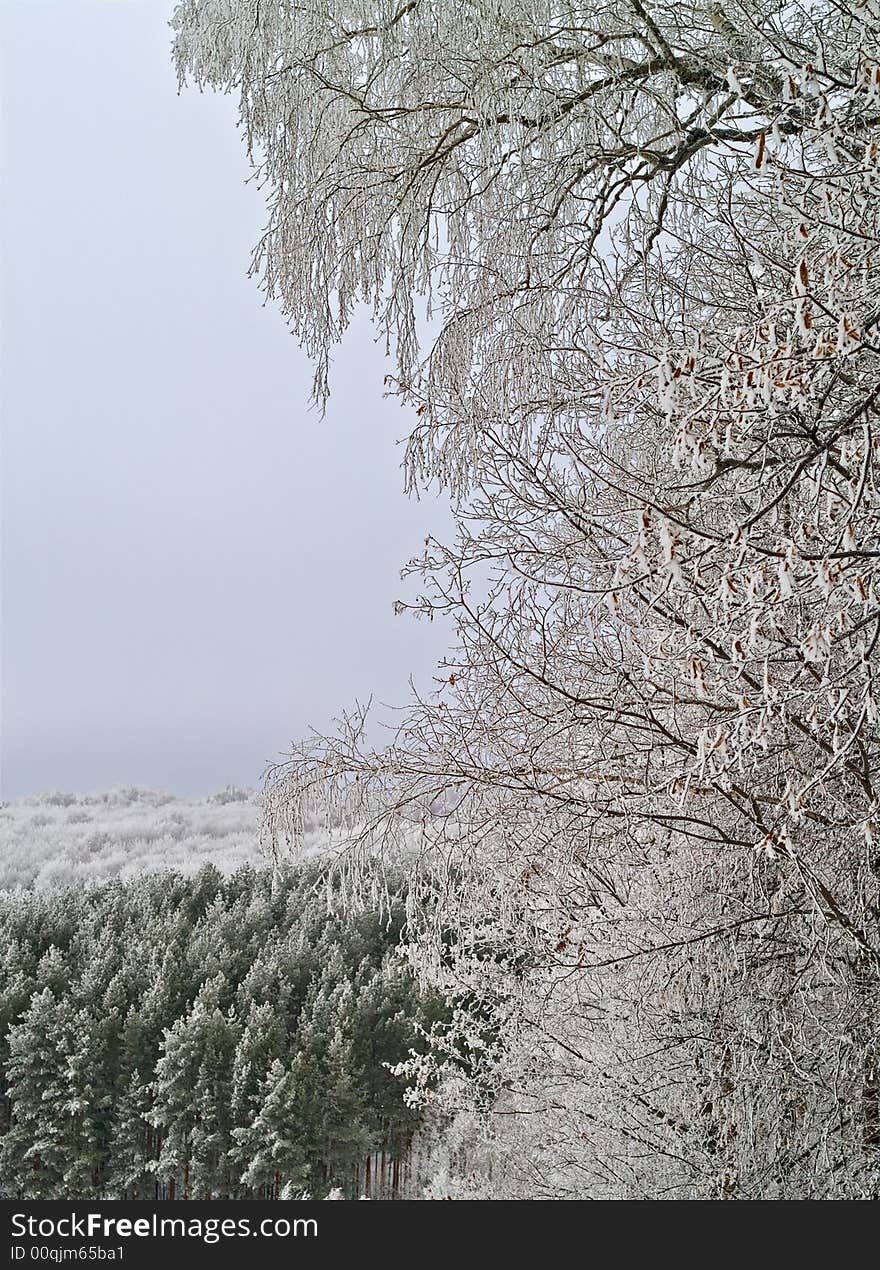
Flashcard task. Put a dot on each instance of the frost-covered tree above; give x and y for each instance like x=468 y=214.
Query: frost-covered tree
x=131 y=1147
x=41 y=1143
x=193 y=1093
x=263 y=1041
x=89 y=1098
x=276 y=1142
x=625 y=256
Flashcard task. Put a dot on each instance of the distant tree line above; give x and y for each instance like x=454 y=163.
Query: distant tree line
x=204 y=1037
x=60 y=839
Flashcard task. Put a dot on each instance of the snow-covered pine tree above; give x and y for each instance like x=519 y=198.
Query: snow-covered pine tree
x=132 y=1151
x=263 y=1042
x=89 y=1098
x=277 y=1142
x=210 y=1166
x=42 y=1142
x=193 y=1087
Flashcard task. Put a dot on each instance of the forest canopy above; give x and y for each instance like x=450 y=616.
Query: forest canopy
x=170 y=1037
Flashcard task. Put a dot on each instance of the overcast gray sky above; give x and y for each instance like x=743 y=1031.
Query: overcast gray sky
x=195 y=566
